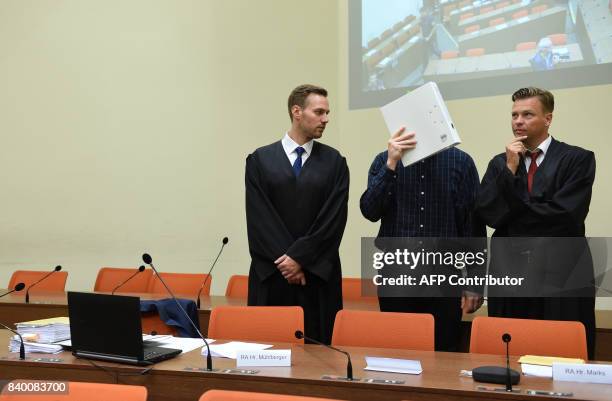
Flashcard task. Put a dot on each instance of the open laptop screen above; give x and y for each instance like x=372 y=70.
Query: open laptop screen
x=105 y=324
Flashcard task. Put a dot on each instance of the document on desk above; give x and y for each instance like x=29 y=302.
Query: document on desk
x=182 y=343
x=230 y=350
x=423 y=111
x=393 y=365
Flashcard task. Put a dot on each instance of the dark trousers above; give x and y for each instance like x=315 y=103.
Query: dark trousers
x=446 y=313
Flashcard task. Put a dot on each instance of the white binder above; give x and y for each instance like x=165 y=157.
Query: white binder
x=423 y=111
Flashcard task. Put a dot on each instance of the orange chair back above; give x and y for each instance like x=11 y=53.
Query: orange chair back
x=486 y=10
x=449 y=54
x=503 y=4
x=78 y=391
x=182 y=284
x=478 y=51
x=529 y=337
x=497 y=21
x=539 y=9
x=55 y=282
x=526 y=46
x=472 y=28
x=351 y=290
x=384 y=330
x=465 y=16
x=558 y=39
x=256 y=323
x=237 y=287
x=225 y=395
x=520 y=14
x=110 y=277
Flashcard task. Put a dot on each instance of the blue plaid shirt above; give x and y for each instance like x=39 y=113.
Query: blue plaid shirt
x=431 y=198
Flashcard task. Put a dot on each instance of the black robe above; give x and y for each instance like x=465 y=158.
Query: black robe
x=303 y=217
x=557 y=207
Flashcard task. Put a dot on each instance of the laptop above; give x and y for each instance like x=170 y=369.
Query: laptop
x=108 y=327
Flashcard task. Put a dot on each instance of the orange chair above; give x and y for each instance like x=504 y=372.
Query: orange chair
x=78 y=391
x=237 y=287
x=475 y=52
x=525 y=46
x=373 y=60
x=110 y=277
x=529 y=337
x=497 y=21
x=486 y=10
x=226 y=395
x=449 y=54
x=472 y=28
x=351 y=290
x=55 y=282
x=403 y=38
x=396 y=27
x=256 y=323
x=465 y=16
x=389 y=48
x=503 y=4
x=409 y=19
x=539 y=9
x=183 y=284
x=373 y=42
x=384 y=330
x=558 y=39
x=386 y=34
x=520 y=14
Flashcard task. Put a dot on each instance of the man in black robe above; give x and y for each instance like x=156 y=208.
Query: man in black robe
x=536 y=196
x=296 y=206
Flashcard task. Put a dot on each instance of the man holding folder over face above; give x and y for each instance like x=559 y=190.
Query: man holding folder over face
x=431 y=198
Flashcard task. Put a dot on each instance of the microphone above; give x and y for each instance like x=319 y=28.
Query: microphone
x=27 y=296
x=349 y=366
x=140 y=270
x=506 y=338
x=149 y=261
x=22 y=346
x=224 y=242
x=497 y=374
x=18 y=287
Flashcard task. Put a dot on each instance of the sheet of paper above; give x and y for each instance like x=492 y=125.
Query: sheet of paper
x=184 y=344
x=230 y=350
x=393 y=365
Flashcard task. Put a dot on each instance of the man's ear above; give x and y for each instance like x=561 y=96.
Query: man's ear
x=296 y=112
x=548 y=117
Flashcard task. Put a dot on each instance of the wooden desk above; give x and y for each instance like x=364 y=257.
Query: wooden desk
x=170 y=381
x=53 y=304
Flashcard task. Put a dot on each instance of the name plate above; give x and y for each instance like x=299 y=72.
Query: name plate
x=584 y=373
x=273 y=357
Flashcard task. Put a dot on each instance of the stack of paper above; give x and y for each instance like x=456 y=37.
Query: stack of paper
x=230 y=350
x=393 y=365
x=541 y=366
x=46 y=331
x=15 y=345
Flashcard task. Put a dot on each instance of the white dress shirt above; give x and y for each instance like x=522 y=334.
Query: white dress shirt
x=289 y=146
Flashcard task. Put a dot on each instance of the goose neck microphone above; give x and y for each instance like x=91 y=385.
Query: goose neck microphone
x=140 y=270
x=27 y=296
x=349 y=366
x=223 y=243
x=18 y=287
x=149 y=261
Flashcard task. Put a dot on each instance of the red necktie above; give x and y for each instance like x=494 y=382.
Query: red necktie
x=532 y=168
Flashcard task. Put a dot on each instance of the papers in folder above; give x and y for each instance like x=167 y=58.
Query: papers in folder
x=393 y=365
x=541 y=366
x=423 y=111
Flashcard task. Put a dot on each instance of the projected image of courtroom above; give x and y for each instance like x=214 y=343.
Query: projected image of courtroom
x=407 y=43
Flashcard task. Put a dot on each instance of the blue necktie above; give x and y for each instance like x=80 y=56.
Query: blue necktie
x=297 y=165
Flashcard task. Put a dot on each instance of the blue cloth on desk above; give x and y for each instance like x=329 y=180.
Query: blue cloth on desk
x=170 y=314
